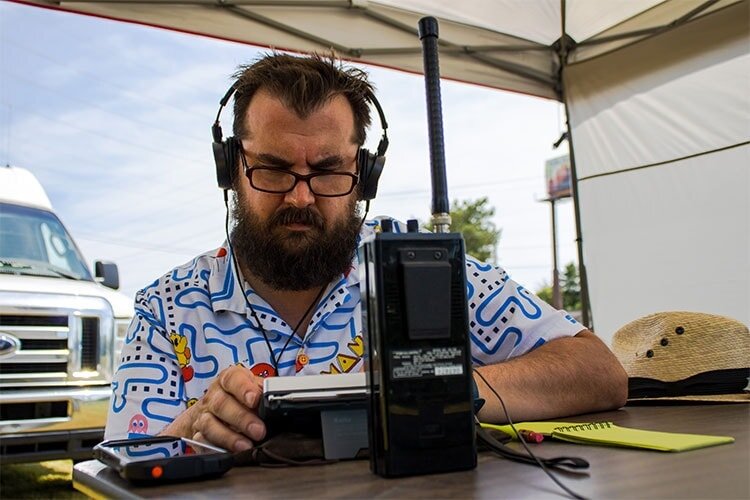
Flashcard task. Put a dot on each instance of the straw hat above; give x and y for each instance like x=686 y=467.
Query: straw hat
x=685 y=356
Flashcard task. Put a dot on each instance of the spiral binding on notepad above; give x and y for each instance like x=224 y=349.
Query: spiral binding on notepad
x=585 y=427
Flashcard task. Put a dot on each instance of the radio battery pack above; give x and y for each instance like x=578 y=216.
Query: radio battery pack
x=418 y=364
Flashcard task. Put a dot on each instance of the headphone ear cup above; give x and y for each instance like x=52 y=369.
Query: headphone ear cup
x=370 y=168
x=226 y=162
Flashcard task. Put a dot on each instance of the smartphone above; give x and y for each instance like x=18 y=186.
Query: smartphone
x=163 y=459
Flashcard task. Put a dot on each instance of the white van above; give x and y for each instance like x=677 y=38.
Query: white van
x=61 y=330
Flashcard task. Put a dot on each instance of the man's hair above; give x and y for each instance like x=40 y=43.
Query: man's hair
x=303 y=84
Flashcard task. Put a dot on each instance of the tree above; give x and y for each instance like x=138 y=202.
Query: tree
x=570 y=285
x=474 y=220
x=570 y=288
x=545 y=293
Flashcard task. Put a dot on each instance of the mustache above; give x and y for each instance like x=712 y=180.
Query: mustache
x=292 y=215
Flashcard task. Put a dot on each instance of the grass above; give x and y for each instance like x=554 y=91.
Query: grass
x=51 y=479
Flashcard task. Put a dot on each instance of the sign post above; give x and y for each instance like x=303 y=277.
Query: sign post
x=558 y=180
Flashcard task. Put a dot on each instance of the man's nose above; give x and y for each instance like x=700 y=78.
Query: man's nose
x=300 y=196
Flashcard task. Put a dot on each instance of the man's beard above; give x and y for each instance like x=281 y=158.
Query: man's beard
x=294 y=260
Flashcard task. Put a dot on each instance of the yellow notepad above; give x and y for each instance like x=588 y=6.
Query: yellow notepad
x=609 y=434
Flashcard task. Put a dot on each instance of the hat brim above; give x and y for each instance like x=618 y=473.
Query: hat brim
x=693 y=399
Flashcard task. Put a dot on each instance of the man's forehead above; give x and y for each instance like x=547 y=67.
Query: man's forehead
x=267 y=112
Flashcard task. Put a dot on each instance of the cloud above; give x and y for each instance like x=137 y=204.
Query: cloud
x=118 y=133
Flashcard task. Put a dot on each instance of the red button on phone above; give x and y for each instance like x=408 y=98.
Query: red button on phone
x=157 y=471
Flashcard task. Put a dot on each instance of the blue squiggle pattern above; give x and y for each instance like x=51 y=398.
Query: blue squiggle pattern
x=161 y=401
x=154 y=452
x=479 y=265
x=129 y=382
x=190 y=298
x=499 y=342
x=190 y=332
x=533 y=311
x=332 y=349
x=154 y=338
x=200 y=301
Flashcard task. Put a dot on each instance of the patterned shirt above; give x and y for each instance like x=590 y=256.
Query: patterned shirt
x=193 y=322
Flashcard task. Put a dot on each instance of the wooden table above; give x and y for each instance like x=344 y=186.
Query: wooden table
x=716 y=472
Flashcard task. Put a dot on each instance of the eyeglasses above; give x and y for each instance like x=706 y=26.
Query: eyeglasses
x=278 y=181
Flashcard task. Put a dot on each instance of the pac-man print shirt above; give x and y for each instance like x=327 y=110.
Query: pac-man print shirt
x=193 y=322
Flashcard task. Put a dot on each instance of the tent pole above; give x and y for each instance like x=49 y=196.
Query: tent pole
x=586 y=316
x=563 y=45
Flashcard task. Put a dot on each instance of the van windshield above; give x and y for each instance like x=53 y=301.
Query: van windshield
x=34 y=242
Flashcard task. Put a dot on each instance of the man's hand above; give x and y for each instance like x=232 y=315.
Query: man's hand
x=226 y=414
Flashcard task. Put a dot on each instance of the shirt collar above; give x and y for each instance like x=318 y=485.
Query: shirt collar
x=226 y=292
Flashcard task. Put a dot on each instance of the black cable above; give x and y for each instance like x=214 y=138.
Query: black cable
x=315 y=301
x=523 y=442
x=238 y=277
x=557 y=463
x=275 y=360
x=299 y=323
x=364 y=217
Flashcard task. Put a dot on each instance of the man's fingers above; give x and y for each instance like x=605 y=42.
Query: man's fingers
x=225 y=415
x=227 y=409
x=242 y=384
x=210 y=429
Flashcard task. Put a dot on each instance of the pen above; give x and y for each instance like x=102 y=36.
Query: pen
x=531 y=436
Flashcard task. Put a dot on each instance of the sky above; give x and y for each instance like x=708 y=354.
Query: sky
x=114 y=120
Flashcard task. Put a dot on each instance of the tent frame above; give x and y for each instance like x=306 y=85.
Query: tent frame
x=560 y=55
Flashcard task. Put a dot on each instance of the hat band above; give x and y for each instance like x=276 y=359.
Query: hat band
x=733 y=381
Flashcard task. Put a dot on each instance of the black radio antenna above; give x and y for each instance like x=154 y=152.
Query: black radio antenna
x=428 y=34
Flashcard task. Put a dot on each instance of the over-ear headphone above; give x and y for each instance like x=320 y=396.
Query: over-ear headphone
x=369 y=165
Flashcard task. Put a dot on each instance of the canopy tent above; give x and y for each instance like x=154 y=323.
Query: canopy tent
x=517 y=45
x=658 y=100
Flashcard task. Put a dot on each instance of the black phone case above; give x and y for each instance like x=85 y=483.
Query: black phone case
x=184 y=468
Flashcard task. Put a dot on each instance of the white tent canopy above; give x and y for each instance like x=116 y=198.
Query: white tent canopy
x=507 y=44
x=658 y=100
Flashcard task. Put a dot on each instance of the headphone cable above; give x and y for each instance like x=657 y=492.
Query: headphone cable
x=523 y=442
x=309 y=308
x=275 y=360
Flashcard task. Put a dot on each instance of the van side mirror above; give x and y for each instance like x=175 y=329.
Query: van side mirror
x=107 y=274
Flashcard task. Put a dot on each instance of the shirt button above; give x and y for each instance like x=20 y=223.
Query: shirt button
x=302 y=361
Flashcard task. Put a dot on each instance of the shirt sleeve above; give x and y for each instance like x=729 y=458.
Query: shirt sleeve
x=505 y=319
x=148 y=388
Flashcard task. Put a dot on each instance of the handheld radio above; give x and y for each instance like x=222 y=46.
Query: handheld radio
x=416 y=326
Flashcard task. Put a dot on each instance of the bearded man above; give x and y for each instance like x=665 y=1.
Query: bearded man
x=281 y=296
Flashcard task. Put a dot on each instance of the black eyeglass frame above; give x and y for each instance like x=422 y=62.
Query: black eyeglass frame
x=297 y=178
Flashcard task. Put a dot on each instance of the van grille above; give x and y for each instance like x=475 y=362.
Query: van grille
x=28 y=411
x=89 y=343
x=17 y=368
x=42 y=344
x=18 y=320
x=56 y=344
